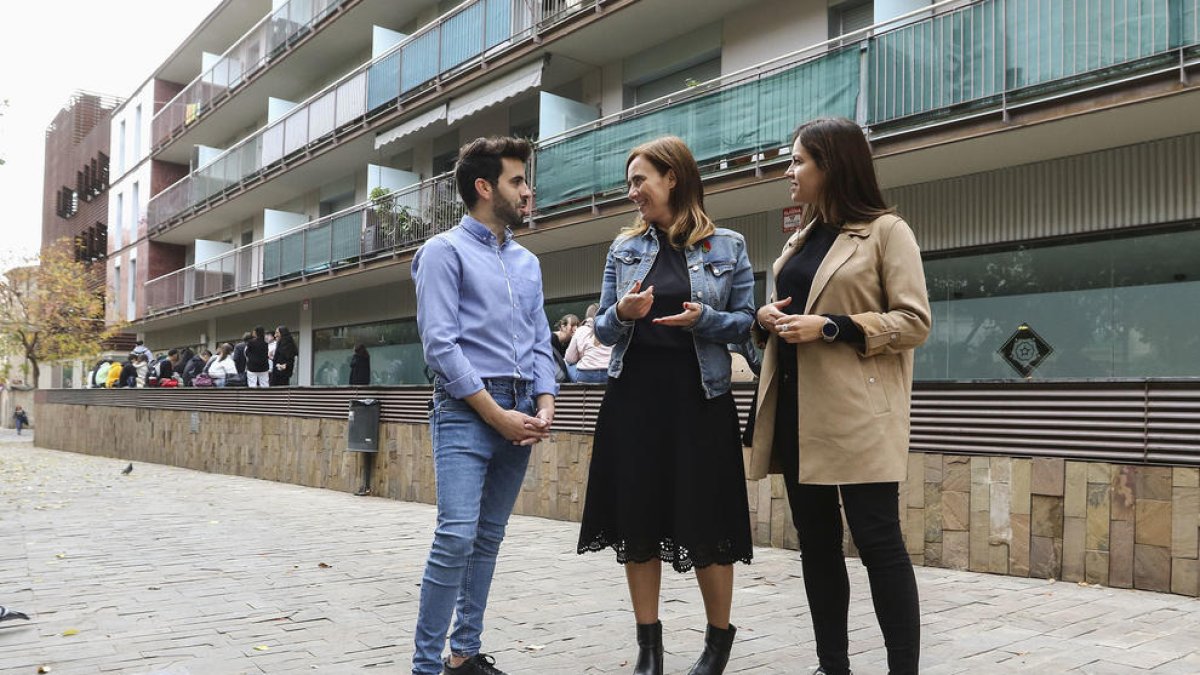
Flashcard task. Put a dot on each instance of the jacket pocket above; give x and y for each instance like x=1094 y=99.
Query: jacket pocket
x=720 y=278
x=873 y=381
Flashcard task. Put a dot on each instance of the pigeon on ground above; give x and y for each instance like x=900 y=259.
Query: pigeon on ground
x=127 y=470
x=10 y=615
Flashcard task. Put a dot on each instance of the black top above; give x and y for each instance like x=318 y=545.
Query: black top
x=285 y=355
x=256 y=356
x=185 y=355
x=795 y=281
x=360 y=369
x=164 y=369
x=128 y=376
x=239 y=356
x=194 y=367
x=557 y=344
x=668 y=275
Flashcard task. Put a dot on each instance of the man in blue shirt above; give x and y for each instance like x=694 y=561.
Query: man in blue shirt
x=485 y=335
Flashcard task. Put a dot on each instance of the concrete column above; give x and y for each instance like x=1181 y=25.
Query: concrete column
x=304 y=338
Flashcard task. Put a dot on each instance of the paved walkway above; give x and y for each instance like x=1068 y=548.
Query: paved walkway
x=177 y=572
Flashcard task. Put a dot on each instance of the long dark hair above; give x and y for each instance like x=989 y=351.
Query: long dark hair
x=841 y=151
x=285 y=336
x=361 y=350
x=259 y=333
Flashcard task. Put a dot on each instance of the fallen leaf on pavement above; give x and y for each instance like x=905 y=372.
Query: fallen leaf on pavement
x=69 y=632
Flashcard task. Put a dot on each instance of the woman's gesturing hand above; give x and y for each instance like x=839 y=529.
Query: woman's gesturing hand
x=635 y=304
x=772 y=312
x=685 y=319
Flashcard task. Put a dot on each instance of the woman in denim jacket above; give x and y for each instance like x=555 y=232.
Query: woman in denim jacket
x=666 y=482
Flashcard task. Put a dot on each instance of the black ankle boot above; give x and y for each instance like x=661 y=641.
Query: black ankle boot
x=717 y=644
x=650 y=649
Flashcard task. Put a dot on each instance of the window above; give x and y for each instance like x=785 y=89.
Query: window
x=135 y=213
x=676 y=80
x=121 y=148
x=850 y=16
x=131 y=308
x=120 y=231
x=394 y=347
x=116 y=295
x=1108 y=307
x=137 y=133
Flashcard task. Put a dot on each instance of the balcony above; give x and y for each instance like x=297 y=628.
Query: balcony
x=398 y=221
x=266 y=41
x=464 y=37
x=965 y=60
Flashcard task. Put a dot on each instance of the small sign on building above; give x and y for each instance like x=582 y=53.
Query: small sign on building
x=792 y=217
x=1025 y=350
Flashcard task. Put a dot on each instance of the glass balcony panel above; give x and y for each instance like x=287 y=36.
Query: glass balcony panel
x=272 y=144
x=730 y=123
x=383 y=82
x=420 y=61
x=318 y=241
x=295 y=135
x=346 y=231
x=322 y=115
x=462 y=36
x=291 y=254
x=352 y=99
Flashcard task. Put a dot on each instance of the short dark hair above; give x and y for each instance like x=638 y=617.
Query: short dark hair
x=137 y=342
x=173 y=352
x=481 y=159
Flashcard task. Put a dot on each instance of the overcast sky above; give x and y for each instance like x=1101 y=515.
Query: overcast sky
x=42 y=48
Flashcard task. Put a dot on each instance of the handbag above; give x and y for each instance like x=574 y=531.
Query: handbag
x=202 y=380
x=238 y=380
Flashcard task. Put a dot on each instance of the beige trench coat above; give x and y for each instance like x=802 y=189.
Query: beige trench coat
x=854 y=406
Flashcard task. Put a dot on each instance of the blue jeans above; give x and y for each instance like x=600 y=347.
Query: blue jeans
x=599 y=376
x=479 y=475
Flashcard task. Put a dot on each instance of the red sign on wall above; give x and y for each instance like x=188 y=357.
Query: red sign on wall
x=792 y=216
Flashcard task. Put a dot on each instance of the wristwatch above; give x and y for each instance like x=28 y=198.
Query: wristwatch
x=829 y=330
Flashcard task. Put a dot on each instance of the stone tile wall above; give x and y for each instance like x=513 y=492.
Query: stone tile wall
x=1109 y=524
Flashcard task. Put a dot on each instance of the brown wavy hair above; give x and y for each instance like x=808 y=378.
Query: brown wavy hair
x=841 y=151
x=691 y=224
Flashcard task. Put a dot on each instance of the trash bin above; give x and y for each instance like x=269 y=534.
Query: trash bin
x=363 y=428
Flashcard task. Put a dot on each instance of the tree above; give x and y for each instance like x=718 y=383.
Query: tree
x=52 y=310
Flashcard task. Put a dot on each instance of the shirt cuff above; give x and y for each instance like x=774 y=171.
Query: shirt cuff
x=464 y=386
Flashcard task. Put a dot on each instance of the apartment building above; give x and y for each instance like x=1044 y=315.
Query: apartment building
x=75 y=198
x=282 y=166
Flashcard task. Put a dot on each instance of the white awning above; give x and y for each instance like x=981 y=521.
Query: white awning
x=494 y=92
x=412 y=126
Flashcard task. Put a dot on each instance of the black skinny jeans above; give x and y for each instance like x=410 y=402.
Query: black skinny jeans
x=872 y=511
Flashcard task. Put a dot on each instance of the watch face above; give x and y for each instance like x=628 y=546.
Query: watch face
x=829 y=330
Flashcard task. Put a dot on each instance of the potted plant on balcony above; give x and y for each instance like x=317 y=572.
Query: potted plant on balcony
x=389 y=222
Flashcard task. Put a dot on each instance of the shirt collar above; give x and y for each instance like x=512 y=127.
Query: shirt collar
x=482 y=232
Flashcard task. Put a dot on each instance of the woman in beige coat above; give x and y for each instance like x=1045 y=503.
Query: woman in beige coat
x=850 y=305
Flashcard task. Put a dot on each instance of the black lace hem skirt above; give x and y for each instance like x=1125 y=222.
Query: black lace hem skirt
x=666 y=479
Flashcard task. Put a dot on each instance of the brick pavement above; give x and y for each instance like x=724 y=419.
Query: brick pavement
x=176 y=572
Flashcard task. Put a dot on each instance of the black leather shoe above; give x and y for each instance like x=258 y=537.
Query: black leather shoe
x=480 y=664
x=650 y=649
x=717 y=645
x=821 y=671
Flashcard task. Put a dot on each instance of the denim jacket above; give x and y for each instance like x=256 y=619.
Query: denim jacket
x=722 y=283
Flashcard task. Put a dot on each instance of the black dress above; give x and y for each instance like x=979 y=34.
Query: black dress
x=666 y=479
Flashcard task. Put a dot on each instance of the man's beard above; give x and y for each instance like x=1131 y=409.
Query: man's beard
x=509 y=215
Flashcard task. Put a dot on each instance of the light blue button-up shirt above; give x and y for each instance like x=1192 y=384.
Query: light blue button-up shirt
x=479 y=310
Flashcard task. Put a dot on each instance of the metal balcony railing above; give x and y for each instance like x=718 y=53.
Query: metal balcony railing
x=462 y=37
x=946 y=61
x=262 y=44
x=400 y=220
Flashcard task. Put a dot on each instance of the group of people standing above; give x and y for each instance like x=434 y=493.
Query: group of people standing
x=258 y=360
x=667 y=477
